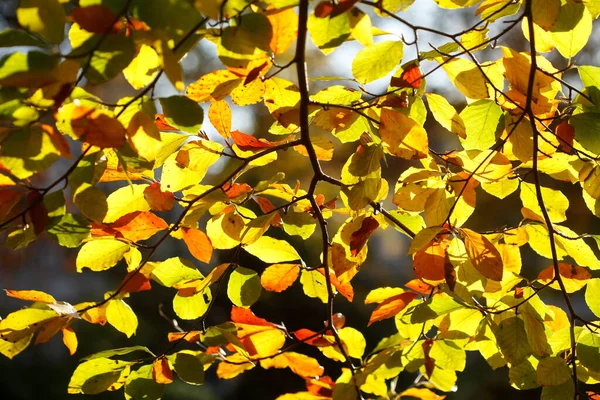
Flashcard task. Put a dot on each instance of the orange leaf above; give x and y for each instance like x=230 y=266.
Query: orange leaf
x=161 y=371
x=161 y=123
x=190 y=336
x=300 y=364
x=359 y=238
x=237 y=365
x=70 y=339
x=139 y=225
x=245 y=316
x=49 y=328
x=213 y=86
x=483 y=254
x=157 y=199
x=392 y=306
x=419 y=286
x=97 y=19
x=58 y=140
x=219 y=115
x=198 y=244
x=278 y=277
x=96 y=128
x=237 y=189
x=403 y=135
x=573 y=276
x=429 y=263
x=135 y=282
x=312 y=338
x=321 y=387
x=285 y=30
x=411 y=77
x=30 y=295
x=247 y=142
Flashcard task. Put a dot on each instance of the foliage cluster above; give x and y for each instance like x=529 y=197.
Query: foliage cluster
x=137 y=179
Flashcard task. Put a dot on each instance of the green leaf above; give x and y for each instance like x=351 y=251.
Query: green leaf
x=271 y=250
x=26 y=69
x=122 y=317
x=591 y=295
x=13 y=37
x=101 y=254
x=448 y=355
x=564 y=391
x=189 y=366
x=174 y=270
x=194 y=306
x=117 y=352
x=481 y=120
x=337 y=94
x=552 y=371
x=27 y=151
x=436 y=306
x=512 y=339
x=114 y=54
x=523 y=376
x=587 y=130
x=329 y=33
x=299 y=223
x=376 y=61
x=140 y=385
x=588 y=350
x=97 y=375
x=69 y=230
x=44 y=17
x=244 y=287
x=183 y=113
x=91 y=201
x=247 y=40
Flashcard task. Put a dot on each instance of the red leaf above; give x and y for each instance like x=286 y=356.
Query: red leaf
x=237 y=189
x=38 y=213
x=327 y=9
x=411 y=77
x=419 y=286
x=309 y=337
x=136 y=282
x=97 y=19
x=324 y=9
x=157 y=199
x=392 y=306
x=247 y=142
x=565 y=134
x=359 y=238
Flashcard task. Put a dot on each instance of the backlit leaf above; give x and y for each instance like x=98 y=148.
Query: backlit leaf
x=376 y=61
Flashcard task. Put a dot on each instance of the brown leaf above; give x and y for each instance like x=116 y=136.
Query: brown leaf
x=429 y=263
x=565 y=134
x=97 y=19
x=139 y=225
x=359 y=238
x=157 y=199
x=96 y=128
x=392 y=306
x=247 y=142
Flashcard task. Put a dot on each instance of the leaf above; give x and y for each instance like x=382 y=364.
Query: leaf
x=100 y=255
x=126 y=200
x=247 y=142
x=182 y=113
x=44 y=17
x=591 y=296
x=555 y=202
x=139 y=225
x=330 y=32
x=573 y=277
x=97 y=19
x=377 y=60
x=481 y=120
x=300 y=364
x=466 y=77
x=97 y=375
x=483 y=254
x=174 y=270
x=192 y=306
x=143 y=68
x=552 y=371
x=404 y=137
x=69 y=230
x=157 y=199
x=189 y=367
x=161 y=371
x=279 y=277
x=359 y=238
x=445 y=114
x=140 y=385
x=219 y=115
x=30 y=295
x=391 y=306
x=545 y=12
x=198 y=244
x=97 y=127
x=272 y=250
x=122 y=317
x=70 y=339
x=285 y=29
x=512 y=339
x=214 y=86
x=572 y=29
x=244 y=287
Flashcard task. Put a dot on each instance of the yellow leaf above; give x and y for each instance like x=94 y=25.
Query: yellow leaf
x=466 y=77
x=122 y=317
x=404 y=137
x=314 y=285
x=545 y=12
x=70 y=339
x=237 y=364
x=572 y=29
x=144 y=136
x=555 y=202
x=285 y=29
x=44 y=17
x=142 y=70
x=323 y=148
x=282 y=98
x=126 y=200
x=225 y=231
x=271 y=250
x=100 y=255
x=213 y=86
x=300 y=364
x=446 y=114
x=483 y=254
